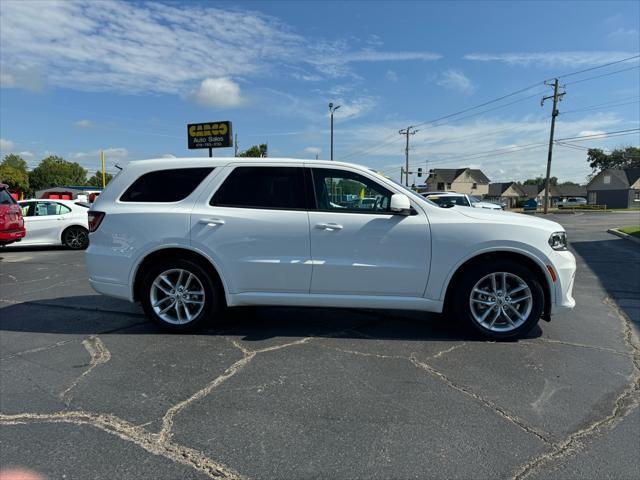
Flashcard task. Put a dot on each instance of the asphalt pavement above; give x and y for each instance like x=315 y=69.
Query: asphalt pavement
x=90 y=389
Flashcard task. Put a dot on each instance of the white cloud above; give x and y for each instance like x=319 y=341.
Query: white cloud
x=504 y=149
x=623 y=34
x=391 y=75
x=456 y=80
x=6 y=144
x=353 y=108
x=154 y=47
x=91 y=160
x=83 y=124
x=551 y=59
x=218 y=92
x=584 y=133
x=27 y=155
x=313 y=150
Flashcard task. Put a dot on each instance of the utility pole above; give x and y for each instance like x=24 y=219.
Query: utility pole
x=554 y=113
x=407 y=131
x=331 y=110
x=235 y=145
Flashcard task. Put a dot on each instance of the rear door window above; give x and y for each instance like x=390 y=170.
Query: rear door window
x=5 y=197
x=263 y=187
x=164 y=186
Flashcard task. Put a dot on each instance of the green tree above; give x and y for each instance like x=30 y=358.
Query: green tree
x=96 y=179
x=540 y=181
x=15 y=161
x=255 y=151
x=627 y=157
x=55 y=171
x=18 y=180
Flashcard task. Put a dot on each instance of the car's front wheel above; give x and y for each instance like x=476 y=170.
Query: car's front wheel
x=499 y=300
x=179 y=295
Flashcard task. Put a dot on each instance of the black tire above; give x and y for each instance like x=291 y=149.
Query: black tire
x=75 y=238
x=212 y=295
x=462 y=303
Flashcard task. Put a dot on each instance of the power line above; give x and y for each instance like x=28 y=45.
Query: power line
x=598 y=66
x=600 y=76
x=616 y=103
x=603 y=134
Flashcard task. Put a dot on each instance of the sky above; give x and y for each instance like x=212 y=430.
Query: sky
x=127 y=77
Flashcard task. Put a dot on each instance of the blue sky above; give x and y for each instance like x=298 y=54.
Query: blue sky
x=78 y=77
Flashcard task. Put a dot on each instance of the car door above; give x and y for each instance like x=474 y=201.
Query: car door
x=44 y=222
x=253 y=222
x=363 y=249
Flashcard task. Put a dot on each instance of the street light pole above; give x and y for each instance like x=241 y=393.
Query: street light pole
x=331 y=110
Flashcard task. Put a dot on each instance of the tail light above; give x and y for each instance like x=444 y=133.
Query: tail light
x=95 y=219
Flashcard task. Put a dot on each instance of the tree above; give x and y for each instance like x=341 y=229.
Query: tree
x=255 y=151
x=55 y=171
x=18 y=180
x=540 y=181
x=15 y=161
x=96 y=179
x=627 y=157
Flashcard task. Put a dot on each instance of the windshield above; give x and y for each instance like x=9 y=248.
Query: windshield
x=474 y=199
x=449 y=199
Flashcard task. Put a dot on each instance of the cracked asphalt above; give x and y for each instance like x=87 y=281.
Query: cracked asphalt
x=90 y=389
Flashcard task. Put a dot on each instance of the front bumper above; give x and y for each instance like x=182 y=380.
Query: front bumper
x=564 y=265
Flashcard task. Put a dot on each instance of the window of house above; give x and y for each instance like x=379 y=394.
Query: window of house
x=440 y=186
x=262 y=187
x=636 y=196
x=606 y=179
x=348 y=192
x=165 y=185
x=448 y=186
x=474 y=186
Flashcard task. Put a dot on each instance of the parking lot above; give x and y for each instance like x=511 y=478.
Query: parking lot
x=319 y=393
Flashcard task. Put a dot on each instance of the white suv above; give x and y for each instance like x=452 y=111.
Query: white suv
x=186 y=237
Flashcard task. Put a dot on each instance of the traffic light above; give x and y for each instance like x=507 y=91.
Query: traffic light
x=419 y=172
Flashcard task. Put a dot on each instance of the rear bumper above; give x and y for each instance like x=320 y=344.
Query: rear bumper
x=8 y=236
x=117 y=290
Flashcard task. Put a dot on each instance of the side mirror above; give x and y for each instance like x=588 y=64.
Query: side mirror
x=400 y=204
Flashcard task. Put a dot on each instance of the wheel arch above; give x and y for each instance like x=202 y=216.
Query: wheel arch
x=175 y=252
x=531 y=263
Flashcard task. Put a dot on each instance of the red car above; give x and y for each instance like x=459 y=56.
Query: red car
x=11 y=222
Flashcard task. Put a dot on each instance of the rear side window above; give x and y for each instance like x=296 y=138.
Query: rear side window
x=5 y=197
x=262 y=187
x=165 y=185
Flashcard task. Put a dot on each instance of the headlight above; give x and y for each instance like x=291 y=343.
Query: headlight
x=558 y=240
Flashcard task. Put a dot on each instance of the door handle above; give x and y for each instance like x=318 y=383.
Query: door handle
x=211 y=222
x=329 y=226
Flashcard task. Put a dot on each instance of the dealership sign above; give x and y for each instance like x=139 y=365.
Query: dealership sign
x=209 y=135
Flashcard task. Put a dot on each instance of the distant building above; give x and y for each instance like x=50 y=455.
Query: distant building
x=85 y=193
x=506 y=193
x=615 y=188
x=462 y=180
x=556 y=192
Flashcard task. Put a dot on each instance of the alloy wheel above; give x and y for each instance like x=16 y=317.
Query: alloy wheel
x=177 y=296
x=500 y=302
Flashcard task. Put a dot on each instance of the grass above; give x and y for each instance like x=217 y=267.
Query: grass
x=633 y=230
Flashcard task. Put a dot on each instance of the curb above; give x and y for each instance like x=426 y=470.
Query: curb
x=618 y=233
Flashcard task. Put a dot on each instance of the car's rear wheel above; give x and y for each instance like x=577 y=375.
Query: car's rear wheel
x=75 y=238
x=179 y=295
x=499 y=300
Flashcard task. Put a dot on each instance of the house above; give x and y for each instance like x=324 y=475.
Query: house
x=557 y=193
x=506 y=193
x=461 y=180
x=615 y=188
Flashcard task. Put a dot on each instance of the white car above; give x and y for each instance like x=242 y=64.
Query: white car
x=55 y=222
x=572 y=202
x=449 y=199
x=188 y=236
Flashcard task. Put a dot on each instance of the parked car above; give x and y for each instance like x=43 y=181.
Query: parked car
x=11 y=221
x=449 y=199
x=572 y=202
x=56 y=222
x=185 y=237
